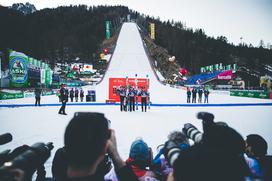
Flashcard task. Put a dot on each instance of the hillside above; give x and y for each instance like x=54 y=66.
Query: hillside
x=65 y=33
x=194 y=49
x=61 y=34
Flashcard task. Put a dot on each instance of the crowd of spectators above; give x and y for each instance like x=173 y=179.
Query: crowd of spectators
x=218 y=153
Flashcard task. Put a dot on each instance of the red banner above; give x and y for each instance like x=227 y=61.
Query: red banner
x=226 y=75
x=116 y=83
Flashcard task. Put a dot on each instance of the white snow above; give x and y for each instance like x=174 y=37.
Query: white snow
x=33 y=124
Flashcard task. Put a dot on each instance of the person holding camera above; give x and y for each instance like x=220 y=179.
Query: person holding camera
x=216 y=156
x=88 y=145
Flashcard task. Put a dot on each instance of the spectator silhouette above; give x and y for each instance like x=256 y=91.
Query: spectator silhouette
x=87 y=140
x=217 y=157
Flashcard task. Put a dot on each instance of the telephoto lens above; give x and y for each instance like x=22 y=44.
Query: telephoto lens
x=192 y=132
x=30 y=160
x=171 y=151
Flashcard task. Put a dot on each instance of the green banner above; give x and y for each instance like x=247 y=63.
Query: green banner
x=253 y=94
x=18 y=66
x=48 y=77
x=107 y=29
x=42 y=76
x=35 y=62
x=7 y=95
x=46 y=93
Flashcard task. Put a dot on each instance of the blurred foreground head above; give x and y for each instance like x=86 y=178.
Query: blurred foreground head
x=85 y=138
x=256 y=146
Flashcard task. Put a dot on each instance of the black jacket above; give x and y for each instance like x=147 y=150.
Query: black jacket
x=60 y=165
x=62 y=94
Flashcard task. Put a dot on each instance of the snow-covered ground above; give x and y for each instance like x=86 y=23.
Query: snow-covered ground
x=32 y=124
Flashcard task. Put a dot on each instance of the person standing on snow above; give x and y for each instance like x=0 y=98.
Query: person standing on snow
x=72 y=94
x=76 y=94
x=122 y=94
x=63 y=97
x=206 y=96
x=194 y=91
x=143 y=93
x=131 y=95
x=188 y=95
x=81 y=95
x=200 y=92
x=38 y=97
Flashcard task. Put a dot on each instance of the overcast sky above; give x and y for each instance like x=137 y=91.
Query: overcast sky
x=250 y=19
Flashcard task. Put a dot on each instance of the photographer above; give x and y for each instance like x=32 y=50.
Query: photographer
x=87 y=140
x=217 y=155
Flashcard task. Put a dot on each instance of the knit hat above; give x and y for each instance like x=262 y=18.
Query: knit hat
x=139 y=150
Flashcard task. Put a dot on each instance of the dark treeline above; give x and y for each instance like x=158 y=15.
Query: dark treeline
x=64 y=33
x=61 y=34
x=194 y=49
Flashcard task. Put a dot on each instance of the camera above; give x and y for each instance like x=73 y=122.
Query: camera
x=193 y=133
x=26 y=159
x=172 y=149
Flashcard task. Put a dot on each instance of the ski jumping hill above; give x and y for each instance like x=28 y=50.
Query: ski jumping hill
x=130 y=58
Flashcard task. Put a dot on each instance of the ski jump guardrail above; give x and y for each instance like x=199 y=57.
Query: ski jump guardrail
x=152 y=105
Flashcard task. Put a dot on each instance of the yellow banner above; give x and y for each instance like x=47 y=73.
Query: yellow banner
x=152 y=31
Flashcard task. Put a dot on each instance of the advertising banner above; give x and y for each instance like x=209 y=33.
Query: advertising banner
x=48 y=77
x=18 y=66
x=0 y=68
x=42 y=76
x=107 y=29
x=47 y=93
x=35 y=62
x=152 y=31
x=226 y=75
x=30 y=60
x=11 y=95
x=116 y=83
x=253 y=94
x=29 y=94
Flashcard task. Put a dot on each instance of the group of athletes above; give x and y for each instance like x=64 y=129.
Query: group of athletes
x=129 y=96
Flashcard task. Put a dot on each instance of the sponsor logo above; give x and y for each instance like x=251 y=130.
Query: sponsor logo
x=18 y=70
x=224 y=77
x=250 y=94
x=263 y=95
